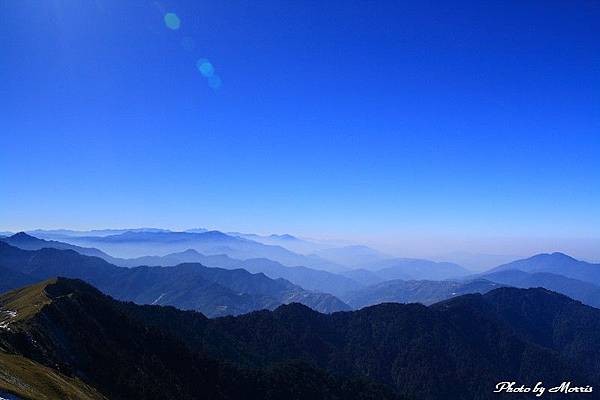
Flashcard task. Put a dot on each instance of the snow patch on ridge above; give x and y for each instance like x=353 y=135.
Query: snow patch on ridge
x=5 y=318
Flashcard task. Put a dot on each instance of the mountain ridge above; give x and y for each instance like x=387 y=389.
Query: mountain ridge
x=308 y=278
x=214 y=291
x=165 y=366
x=555 y=263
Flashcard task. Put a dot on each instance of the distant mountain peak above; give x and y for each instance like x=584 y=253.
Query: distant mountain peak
x=542 y=295
x=22 y=236
x=285 y=236
x=186 y=252
x=216 y=235
x=563 y=255
x=556 y=255
x=294 y=309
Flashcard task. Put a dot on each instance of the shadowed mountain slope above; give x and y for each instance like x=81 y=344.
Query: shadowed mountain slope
x=586 y=292
x=458 y=349
x=70 y=330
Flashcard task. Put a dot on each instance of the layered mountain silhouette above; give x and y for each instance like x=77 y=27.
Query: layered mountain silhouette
x=556 y=263
x=58 y=234
x=135 y=244
x=290 y=242
x=405 y=269
x=551 y=271
x=214 y=291
x=362 y=287
x=587 y=293
x=423 y=291
x=409 y=268
x=25 y=241
x=308 y=278
x=458 y=349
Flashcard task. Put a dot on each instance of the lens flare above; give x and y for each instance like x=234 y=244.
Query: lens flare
x=205 y=67
x=172 y=21
x=188 y=43
x=214 y=82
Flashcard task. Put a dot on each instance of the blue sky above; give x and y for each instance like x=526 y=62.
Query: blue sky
x=416 y=126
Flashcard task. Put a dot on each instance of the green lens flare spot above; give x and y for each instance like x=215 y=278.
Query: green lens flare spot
x=205 y=67
x=172 y=21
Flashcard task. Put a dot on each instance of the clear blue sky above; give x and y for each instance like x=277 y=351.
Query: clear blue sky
x=385 y=121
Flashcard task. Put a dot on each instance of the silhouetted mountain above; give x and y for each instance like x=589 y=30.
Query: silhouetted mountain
x=586 y=292
x=424 y=292
x=213 y=291
x=408 y=268
x=556 y=263
x=186 y=256
x=308 y=278
x=405 y=269
x=548 y=319
x=136 y=244
x=25 y=241
x=82 y=344
x=59 y=234
x=458 y=349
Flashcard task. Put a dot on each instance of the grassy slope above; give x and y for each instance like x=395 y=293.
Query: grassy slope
x=31 y=380
x=26 y=301
x=26 y=378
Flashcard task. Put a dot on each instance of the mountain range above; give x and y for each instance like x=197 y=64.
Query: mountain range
x=550 y=271
x=422 y=291
x=290 y=242
x=86 y=345
x=409 y=268
x=25 y=241
x=136 y=244
x=214 y=291
x=63 y=339
x=420 y=280
x=337 y=284
x=586 y=292
x=556 y=263
x=308 y=278
x=286 y=249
